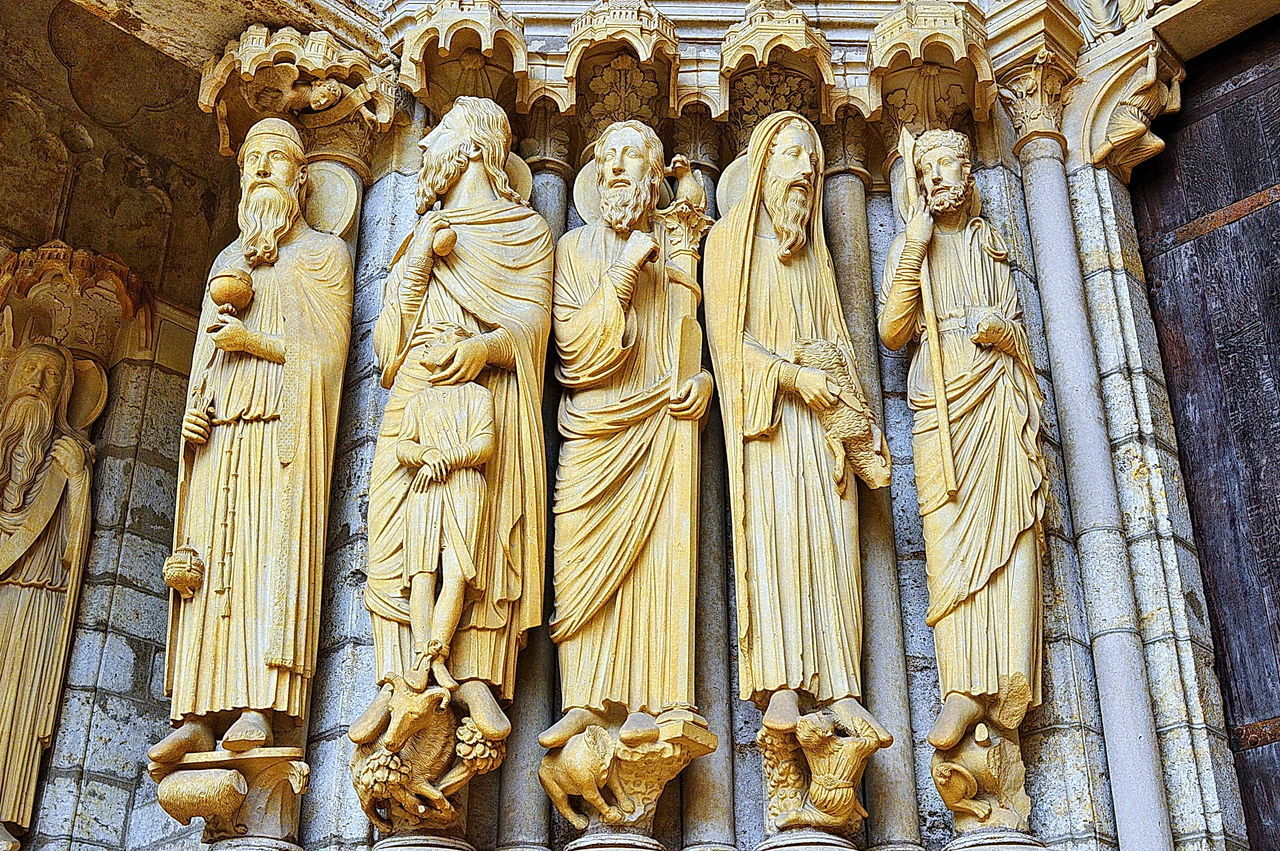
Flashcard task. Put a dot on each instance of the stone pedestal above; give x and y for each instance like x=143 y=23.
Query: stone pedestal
x=422 y=842
x=614 y=841
x=994 y=840
x=255 y=843
x=805 y=839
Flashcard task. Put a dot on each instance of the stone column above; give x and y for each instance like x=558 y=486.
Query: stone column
x=889 y=781
x=524 y=821
x=1032 y=93
x=707 y=784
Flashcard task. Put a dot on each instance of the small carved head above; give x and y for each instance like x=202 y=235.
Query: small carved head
x=790 y=184
x=440 y=338
x=412 y=711
x=35 y=396
x=629 y=174
x=473 y=130
x=324 y=94
x=945 y=166
x=273 y=181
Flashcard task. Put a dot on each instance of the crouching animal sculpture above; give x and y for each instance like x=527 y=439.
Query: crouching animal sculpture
x=413 y=755
x=850 y=424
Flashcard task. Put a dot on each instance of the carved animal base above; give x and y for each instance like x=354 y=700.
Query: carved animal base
x=621 y=783
x=812 y=775
x=994 y=839
x=805 y=839
x=982 y=781
x=248 y=800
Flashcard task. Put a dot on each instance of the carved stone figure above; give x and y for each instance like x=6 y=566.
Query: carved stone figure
x=457 y=528
x=980 y=474
x=1129 y=140
x=626 y=491
x=257 y=451
x=798 y=430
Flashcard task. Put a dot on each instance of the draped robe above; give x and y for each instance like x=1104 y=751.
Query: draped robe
x=254 y=499
x=621 y=631
x=795 y=536
x=982 y=547
x=38 y=590
x=497 y=276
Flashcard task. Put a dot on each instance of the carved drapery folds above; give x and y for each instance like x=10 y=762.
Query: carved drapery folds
x=335 y=96
x=466 y=47
x=65 y=315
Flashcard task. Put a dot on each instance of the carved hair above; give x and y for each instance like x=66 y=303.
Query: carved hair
x=490 y=132
x=951 y=139
x=654 y=165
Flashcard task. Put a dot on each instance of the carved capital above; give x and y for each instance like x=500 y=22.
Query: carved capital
x=437 y=69
x=1033 y=93
x=545 y=146
x=635 y=23
x=929 y=69
x=697 y=138
x=769 y=25
x=309 y=80
x=845 y=145
x=760 y=92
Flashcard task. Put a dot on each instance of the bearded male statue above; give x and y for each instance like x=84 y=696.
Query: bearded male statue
x=44 y=527
x=468 y=300
x=798 y=430
x=626 y=492
x=982 y=528
x=258 y=439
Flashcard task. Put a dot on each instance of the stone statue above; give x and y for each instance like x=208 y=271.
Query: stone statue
x=44 y=536
x=457 y=511
x=626 y=495
x=980 y=476
x=1129 y=141
x=798 y=430
x=253 y=492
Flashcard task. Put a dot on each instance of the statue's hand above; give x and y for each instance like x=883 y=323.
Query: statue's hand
x=421 y=255
x=694 y=398
x=990 y=329
x=230 y=334
x=920 y=227
x=70 y=457
x=434 y=469
x=196 y=426
x=815 y=388
x=640 y=249
x=463 y=362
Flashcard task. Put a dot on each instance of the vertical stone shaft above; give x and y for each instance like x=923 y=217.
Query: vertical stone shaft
x=524 y=823
x=890 y=788
x=1133 y=758
x=706 y=785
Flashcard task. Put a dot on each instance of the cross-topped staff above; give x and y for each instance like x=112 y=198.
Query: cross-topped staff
x=907 y=150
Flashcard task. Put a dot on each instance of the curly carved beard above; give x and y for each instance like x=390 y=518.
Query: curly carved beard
x=623 y=206
x=789 y=204
x=947 y=198
x=24 y=443
x=267 y=212
x=438 y=174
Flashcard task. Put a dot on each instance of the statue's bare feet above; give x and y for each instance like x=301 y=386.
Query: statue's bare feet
x=440 y=671
x=849 y=710
x=640 y=728
x=491 y=721
x=959 y=713
x=783 y=711
x=194 y=736
x=373 y=721
x=570 y=724
x=251 y=730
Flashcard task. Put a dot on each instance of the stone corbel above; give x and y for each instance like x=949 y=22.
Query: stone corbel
x=748 y=52
x=336 y=97
x=625 y=52
x=471 y=47
x=844 y=143
x=929 y=69
x=1126 y=84
x=546 y=144
x=1035 y=56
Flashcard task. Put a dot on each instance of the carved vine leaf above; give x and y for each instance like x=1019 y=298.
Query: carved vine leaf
x=764 y=91
x=698 y=137
x=621 y=89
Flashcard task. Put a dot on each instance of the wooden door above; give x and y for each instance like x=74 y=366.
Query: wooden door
x=1208 y=215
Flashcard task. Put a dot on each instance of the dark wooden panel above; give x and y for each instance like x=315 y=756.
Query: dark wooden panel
x=1208 y=215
